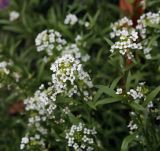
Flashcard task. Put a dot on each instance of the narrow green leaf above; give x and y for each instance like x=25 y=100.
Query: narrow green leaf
x=107 y=90
x=98 y=94
x=41 y=70
x=108 y=41
x=108 y=101
x=127 y=141
x=92 y=105
x=128 y=82
x=115 y=82
x=152 y=95
x=73 y=119
x=137 y=106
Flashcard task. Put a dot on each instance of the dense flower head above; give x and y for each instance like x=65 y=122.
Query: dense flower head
x=147 y=20
x=127 y=42
x=128 y=38
x=32 y=142
x=49 y=40
x=81 y=138
x=71 y=19
x=42 y=104
x=69 y=77
x=131 y=39
x=120 y=25
x=52 y=42
x=74 y=50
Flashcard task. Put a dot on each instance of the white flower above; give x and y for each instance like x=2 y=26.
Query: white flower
x=119 y=91
x=3 y=67
x=78 y=38
x=132 y=126
x=148 y=56
x=86 y=24
x=25 y=140
x=22 y=146
x=13 y=15
x=71 y=19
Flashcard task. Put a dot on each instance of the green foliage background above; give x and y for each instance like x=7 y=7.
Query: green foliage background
x=17 y=43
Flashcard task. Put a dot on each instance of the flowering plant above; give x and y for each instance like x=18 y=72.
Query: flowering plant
x=75 y=78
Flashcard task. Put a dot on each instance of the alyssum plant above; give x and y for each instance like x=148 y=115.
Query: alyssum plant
x=135 y=43
x=60 y=110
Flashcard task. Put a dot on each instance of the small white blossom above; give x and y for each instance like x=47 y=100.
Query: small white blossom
x=13 y=15
x=132 y=126
x=3 y=67
x=71 y=19
x=119 y=91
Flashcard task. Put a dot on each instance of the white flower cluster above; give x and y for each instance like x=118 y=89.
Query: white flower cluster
x=147 y=20
x=145 y=26
x=71 y=19
x=128 y=37
x=73 y=49
x=132 y=126
x=122 y=24
x=69 y=77
x=3 y=67
x=32 y=142
x=81 y=138
x=49 y=40
x=41 y=108
x=138 y=93
x=42 y=104
x=13 y=15
x=132 y=38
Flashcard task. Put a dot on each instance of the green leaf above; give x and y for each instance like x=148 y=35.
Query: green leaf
x=73 y=119
x=41 y=70
x=152 y=95
x=127 y=141
x=106 y=90
x=108 y=101
x=108 y=41
x=128 y=82
x=137 y=106
x=98 y=95
x=115 y=82
x=92 y=105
